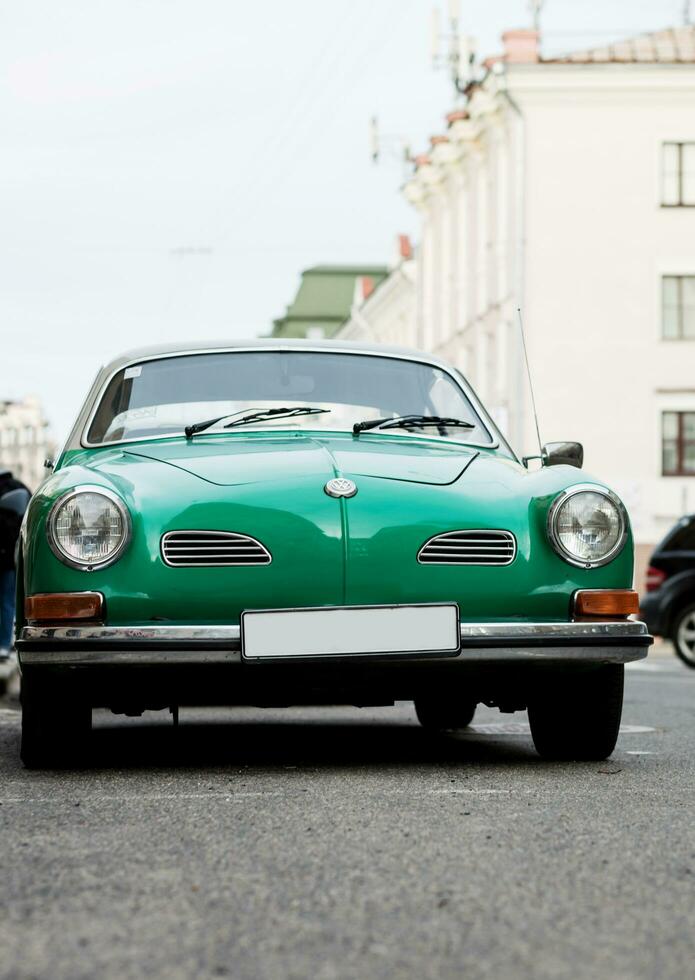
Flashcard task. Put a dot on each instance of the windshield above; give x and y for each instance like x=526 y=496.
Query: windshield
x=161 y=397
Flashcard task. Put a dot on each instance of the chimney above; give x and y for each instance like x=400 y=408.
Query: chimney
x=521 y=47
x=405 y=247
x=367 y=287
x=458 y=115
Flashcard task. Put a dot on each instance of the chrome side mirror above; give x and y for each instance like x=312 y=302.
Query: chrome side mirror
x=563 y=454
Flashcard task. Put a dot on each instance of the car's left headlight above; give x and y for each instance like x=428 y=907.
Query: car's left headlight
x=88 y=528
x=587 y=525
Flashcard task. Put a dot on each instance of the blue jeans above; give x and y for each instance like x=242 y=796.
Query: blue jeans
x=7 y=586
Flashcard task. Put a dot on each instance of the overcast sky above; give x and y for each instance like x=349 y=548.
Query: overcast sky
x=167 y=167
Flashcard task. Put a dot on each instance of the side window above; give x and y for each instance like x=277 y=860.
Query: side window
x=678 y=307
x=678 y=175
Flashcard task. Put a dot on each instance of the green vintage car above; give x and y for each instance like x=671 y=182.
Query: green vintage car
x=317 y=523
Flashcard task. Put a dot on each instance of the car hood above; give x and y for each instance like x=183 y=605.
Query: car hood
x=259 y=458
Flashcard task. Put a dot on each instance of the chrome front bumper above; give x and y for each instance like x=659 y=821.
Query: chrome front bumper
x=590 y=642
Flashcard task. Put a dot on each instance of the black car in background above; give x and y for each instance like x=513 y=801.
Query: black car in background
x=669 y=605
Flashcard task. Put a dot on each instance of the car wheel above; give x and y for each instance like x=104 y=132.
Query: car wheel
x=55 y=731
x=683 y=635
x=438 y=714
x=578 y=717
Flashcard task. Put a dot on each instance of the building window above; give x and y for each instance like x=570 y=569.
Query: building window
x=678 y=443
x=678 y=307
x=678 y=175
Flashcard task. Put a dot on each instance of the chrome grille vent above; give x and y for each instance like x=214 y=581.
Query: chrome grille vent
x=212 y=548
x=469 y=548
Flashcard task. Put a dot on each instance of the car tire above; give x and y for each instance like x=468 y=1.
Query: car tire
x=440 y=714
x=578 y=716
x=683 y=635
x=55 y=730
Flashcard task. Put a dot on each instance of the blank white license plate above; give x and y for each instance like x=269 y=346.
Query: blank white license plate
x=344 y=631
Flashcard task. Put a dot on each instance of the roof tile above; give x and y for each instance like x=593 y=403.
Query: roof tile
x=676 y=44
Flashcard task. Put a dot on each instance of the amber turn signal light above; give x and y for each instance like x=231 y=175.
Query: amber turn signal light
x=51 y=607
x=606 y=602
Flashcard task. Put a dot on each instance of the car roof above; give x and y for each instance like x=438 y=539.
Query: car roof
x=272 y=343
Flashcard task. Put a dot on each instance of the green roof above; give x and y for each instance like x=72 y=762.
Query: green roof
x=324 y=299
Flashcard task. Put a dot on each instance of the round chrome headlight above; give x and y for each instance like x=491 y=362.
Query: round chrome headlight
x=88 y=528
x=587 y=525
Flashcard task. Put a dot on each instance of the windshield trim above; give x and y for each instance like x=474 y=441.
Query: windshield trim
x=488 y=426
x=318 y=433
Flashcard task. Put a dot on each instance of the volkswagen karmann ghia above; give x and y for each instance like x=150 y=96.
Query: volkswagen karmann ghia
x=297 y=523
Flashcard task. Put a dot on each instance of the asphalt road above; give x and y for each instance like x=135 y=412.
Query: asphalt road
x=340 y=843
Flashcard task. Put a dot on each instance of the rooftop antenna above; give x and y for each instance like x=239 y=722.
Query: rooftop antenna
x=536 y=8
x=374 y=143
x=397 y=146
x=454 y=55
x=459 y=56
x=530 y=384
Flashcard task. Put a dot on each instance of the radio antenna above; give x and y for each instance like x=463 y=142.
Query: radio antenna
x=530 y=382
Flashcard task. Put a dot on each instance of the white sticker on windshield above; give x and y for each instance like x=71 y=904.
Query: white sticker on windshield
x=132 y=372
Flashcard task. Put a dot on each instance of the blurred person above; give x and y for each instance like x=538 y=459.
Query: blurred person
x=14 y=497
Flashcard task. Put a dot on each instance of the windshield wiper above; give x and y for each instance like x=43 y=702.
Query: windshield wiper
x=411 y=422
x=247 y=418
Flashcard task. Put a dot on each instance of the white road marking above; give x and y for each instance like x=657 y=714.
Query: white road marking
x=521 y=728
x=480 y=792
x=136 y=798
x=150 y=798
x=498 y=728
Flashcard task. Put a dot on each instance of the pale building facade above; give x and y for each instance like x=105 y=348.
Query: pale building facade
x=24 y=440
x=386 y=312
x=567 y=188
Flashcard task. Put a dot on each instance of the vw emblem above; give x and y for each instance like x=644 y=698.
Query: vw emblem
x=340 y=487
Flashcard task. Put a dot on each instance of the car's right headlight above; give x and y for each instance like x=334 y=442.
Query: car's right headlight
x=88 y=528
x=587 y=525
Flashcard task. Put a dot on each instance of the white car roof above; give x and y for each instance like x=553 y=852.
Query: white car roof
x=272 y=343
